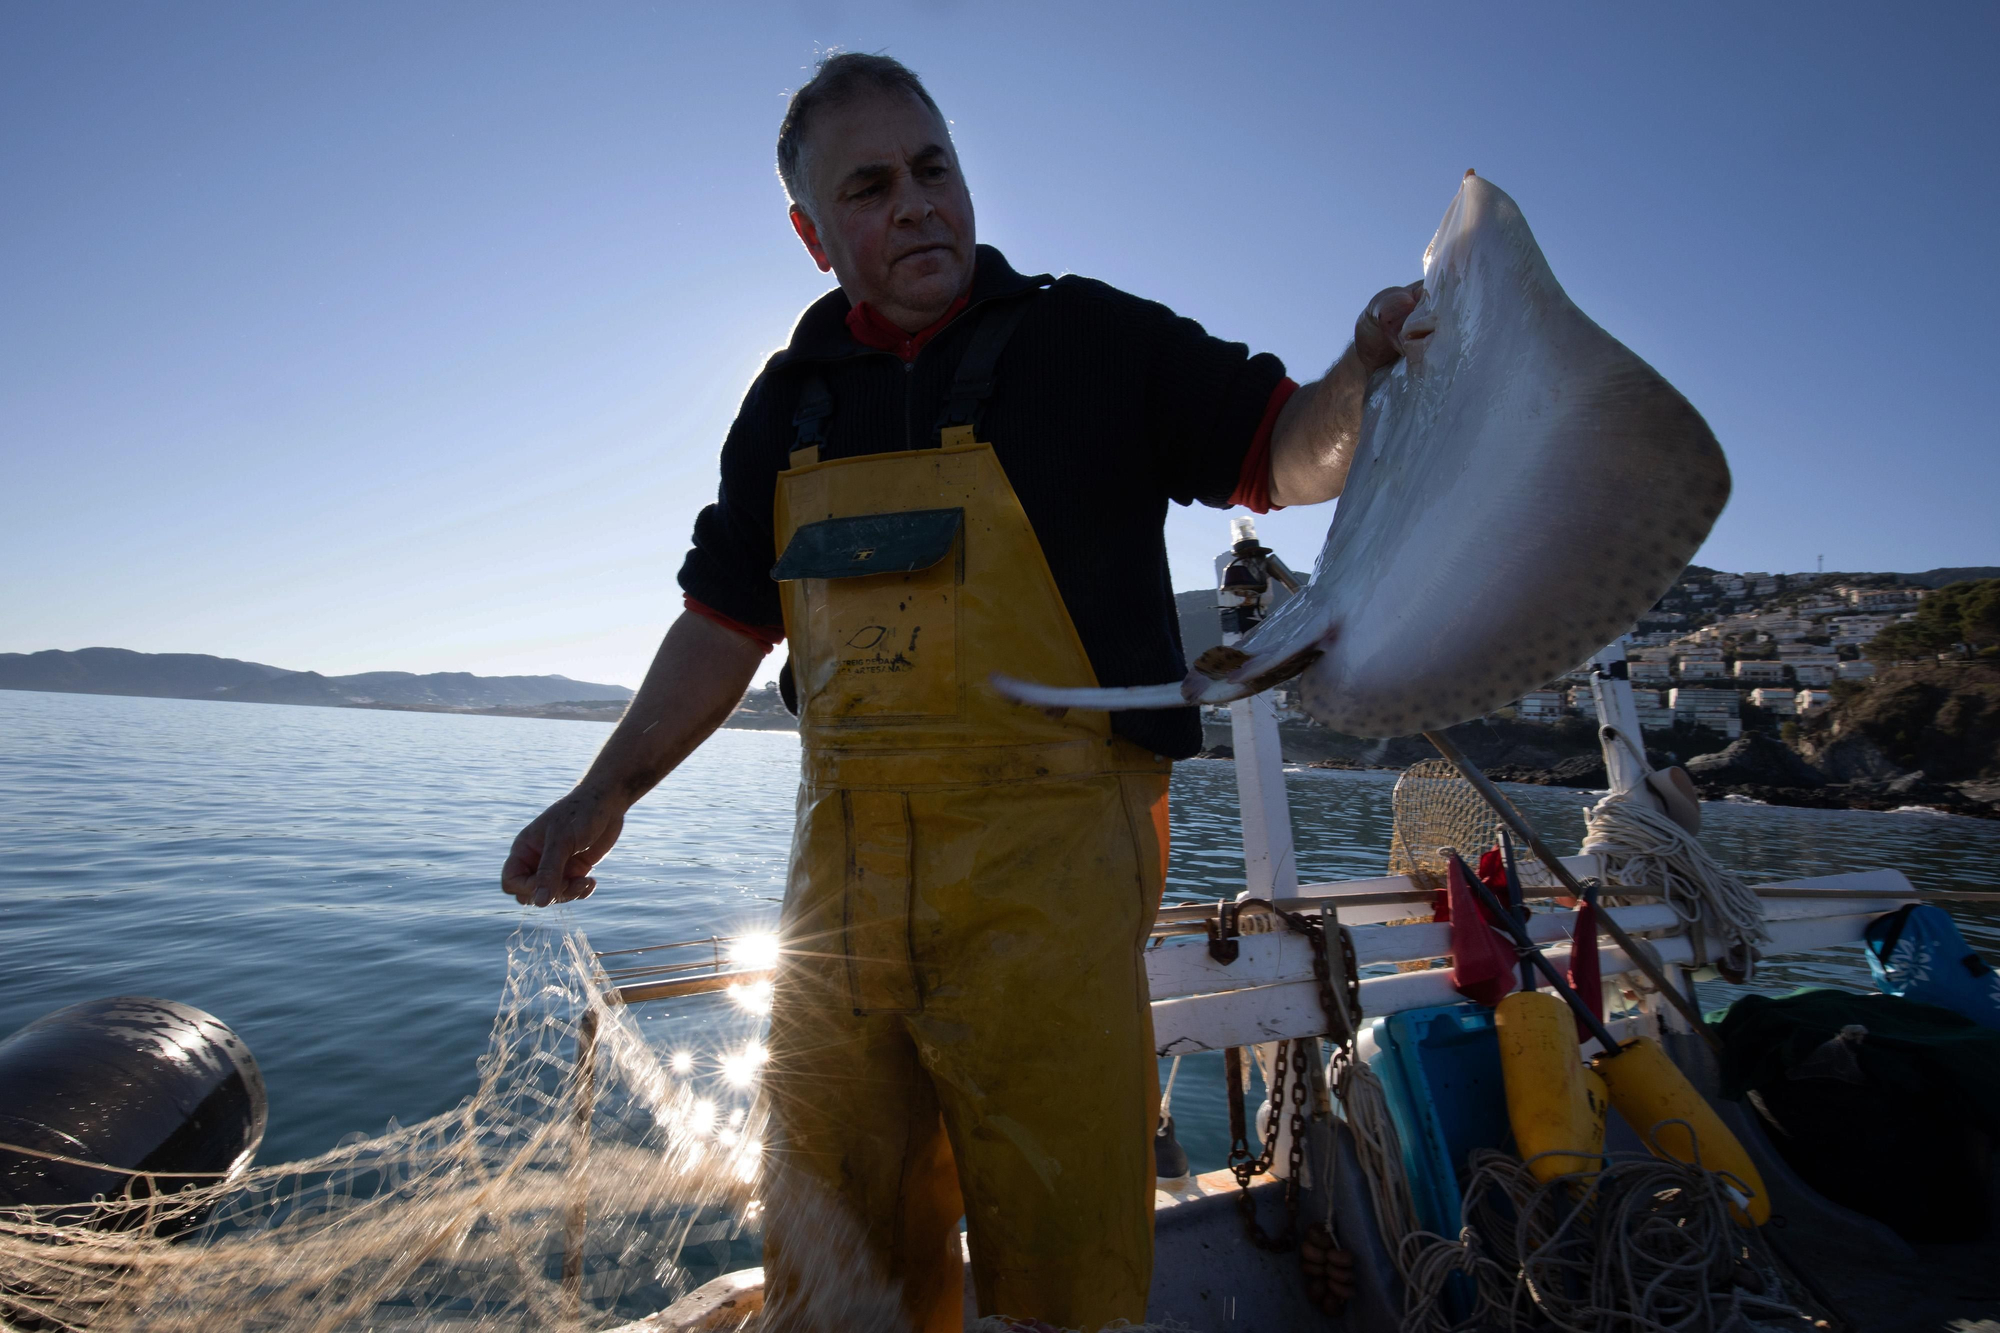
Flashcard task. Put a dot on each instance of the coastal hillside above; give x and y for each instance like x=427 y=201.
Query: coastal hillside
x=1940 y=719
x=1838 y=691
x=200 y=676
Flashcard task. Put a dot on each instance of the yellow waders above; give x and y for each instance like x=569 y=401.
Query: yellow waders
x=961 y=1011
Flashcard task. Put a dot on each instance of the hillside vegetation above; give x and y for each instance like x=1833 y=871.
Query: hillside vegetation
x=1957 y=618
x=1941 y=719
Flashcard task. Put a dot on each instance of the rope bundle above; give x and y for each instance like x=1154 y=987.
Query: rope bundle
x=1377 y=1149
x=1644 y=849
x=1641 y=1246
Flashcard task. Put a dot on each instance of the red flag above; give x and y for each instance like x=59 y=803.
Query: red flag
x=1583 y=975
x=1482 y=966
x=1492 y=873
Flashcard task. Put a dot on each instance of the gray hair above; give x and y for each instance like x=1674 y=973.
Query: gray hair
x=838 y=79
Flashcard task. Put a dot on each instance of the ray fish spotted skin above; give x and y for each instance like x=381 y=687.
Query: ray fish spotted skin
x=1524 y=487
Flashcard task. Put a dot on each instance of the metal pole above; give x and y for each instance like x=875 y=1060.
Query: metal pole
x=1515 y=903
x=1270 y=864
x=1526 y=832
x=1531 y=956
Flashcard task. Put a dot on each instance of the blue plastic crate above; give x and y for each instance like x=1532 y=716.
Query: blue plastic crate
x=1441 y=1070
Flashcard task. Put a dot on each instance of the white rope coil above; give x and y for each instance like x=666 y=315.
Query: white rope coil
x=1641 y=848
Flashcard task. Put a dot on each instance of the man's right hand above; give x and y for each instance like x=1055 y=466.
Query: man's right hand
x=551 y=859
x=696 y=681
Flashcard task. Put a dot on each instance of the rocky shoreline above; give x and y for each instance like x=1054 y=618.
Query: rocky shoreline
x=1766 y=770
x=1917 y=737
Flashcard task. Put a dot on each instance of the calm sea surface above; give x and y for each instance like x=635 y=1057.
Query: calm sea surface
x=326 y=880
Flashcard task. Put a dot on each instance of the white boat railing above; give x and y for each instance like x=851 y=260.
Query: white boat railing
x=1268 y=993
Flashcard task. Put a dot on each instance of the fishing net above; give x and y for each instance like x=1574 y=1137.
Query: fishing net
x=1435 y=807
x=590 y=1179
x=593 y=1179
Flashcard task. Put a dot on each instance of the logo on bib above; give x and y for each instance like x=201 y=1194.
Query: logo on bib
x=870 y=639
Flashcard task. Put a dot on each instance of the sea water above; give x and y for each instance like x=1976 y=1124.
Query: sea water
x=326 y=881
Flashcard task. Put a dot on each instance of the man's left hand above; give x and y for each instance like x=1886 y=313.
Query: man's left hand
x=1314 y=440
x=1378 y=334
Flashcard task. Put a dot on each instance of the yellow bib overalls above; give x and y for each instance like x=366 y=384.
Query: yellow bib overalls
x=960 y=1022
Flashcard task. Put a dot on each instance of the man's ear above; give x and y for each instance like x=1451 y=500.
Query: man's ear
x=809 y=234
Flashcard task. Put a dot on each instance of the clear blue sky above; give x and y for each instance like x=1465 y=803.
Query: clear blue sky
x=404 y=336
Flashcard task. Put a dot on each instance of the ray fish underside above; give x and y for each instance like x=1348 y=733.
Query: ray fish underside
x=1523 y=489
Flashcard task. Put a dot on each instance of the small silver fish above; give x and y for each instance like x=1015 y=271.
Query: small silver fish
x=1524 y=487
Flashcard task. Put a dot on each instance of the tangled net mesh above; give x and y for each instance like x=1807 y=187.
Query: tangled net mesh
x=1433 y=807
x=542 y=1201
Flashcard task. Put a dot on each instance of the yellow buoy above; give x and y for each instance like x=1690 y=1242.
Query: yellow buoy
x=1549 y=1093
x=1652 y=1094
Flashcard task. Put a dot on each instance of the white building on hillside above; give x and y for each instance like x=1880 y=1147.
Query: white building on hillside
x=1772 y=700
x=1650 y=705
x=1811 y=701
x=1653 y=715
x=1857 y=629
x=1883 y=599
x=1760 y=673
x=1860 y=670
x=1540 y=706
x=1717 y=710
x=1815 y=671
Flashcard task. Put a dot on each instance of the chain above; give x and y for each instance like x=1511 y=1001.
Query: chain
x=1290 y=1075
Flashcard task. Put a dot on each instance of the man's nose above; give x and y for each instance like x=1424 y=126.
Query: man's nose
x=912 y=204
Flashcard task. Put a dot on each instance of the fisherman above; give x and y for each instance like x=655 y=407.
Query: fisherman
x=954 y=470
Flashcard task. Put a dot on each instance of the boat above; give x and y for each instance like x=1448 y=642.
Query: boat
x=1241 y=977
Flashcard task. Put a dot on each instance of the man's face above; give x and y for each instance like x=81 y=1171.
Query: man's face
x=892 y=219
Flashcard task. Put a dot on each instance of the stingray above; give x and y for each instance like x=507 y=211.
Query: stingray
x=1523 y=488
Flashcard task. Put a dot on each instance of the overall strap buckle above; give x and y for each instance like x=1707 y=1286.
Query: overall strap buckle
x=815 y=407
x=958 y=423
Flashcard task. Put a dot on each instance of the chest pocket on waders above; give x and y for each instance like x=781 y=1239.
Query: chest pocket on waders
x=881 y=631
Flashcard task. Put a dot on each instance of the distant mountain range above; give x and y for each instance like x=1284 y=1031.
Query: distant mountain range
x=199 y=676
x=1937 y=578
